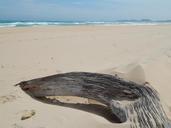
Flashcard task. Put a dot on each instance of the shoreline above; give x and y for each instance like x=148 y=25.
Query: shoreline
x=18 y=25
x=87 y=26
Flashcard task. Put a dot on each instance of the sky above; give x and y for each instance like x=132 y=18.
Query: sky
x=84 y=10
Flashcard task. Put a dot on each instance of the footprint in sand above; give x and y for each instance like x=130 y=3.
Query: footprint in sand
x=16 y=126
x=8 y=98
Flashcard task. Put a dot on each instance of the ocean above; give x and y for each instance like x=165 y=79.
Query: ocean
x=75 y=23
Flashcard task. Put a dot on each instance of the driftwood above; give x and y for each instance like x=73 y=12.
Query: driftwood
x=123 y=100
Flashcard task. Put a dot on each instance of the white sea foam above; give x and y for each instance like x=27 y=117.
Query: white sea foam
x=27 y=24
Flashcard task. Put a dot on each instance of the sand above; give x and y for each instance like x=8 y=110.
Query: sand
x=137 y=53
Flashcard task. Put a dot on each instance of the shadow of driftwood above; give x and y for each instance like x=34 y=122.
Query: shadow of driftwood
x=97 y=109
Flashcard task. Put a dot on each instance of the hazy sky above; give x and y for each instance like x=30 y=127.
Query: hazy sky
x=86 y=10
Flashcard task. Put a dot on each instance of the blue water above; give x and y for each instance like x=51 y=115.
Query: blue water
x=71 y=23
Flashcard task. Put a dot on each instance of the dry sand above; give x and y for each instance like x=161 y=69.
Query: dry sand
x=137 y=53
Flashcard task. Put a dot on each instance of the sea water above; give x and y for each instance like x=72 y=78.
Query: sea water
x=4 y=23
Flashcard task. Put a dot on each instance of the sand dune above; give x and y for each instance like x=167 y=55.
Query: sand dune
x=137 y=53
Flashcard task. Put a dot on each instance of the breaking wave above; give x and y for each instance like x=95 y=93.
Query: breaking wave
x=73 y=23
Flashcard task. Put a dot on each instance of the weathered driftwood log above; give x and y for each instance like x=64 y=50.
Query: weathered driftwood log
x=128 y=101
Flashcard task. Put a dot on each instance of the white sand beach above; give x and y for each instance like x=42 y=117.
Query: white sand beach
x=138 y=53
